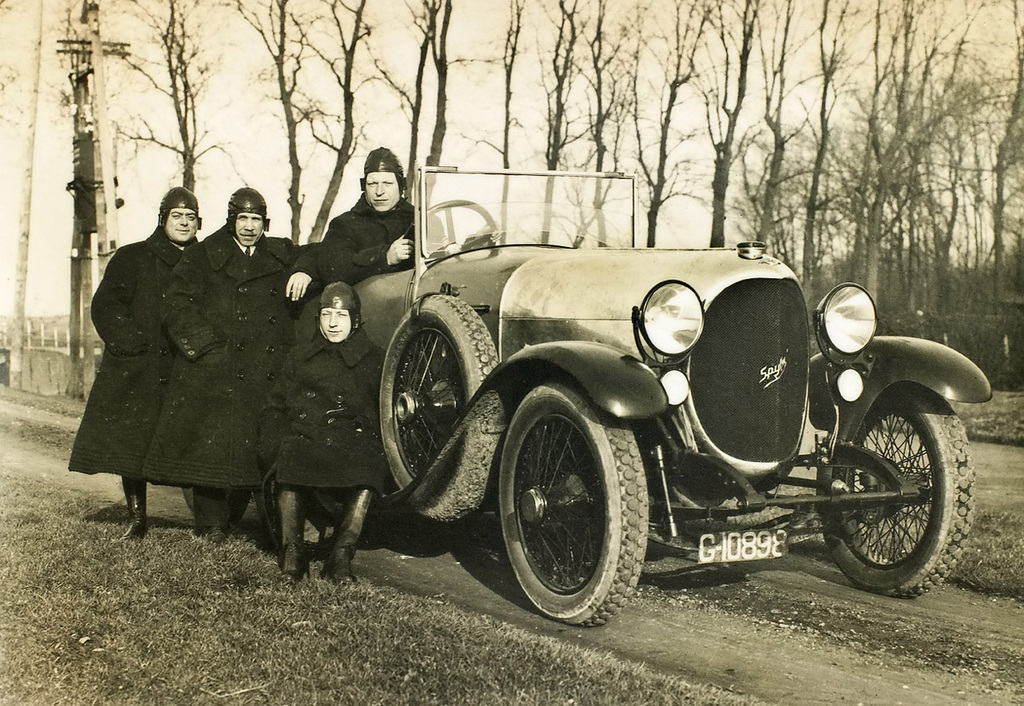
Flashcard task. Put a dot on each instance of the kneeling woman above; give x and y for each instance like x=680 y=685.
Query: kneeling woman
x=320 y=435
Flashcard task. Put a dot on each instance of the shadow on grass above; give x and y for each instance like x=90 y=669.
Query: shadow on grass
x=473 y=541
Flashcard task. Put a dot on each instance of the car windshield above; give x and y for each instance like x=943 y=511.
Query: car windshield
x=472 y=210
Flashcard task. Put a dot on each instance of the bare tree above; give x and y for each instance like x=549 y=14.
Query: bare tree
x=915 y=61
x=439 y=55
x=511 y=53
x=776 y=47
x=830 y=53
x=424 y=18
x=350 y=29
x=605 y=70
x=724 y=99
x=17 y=342
x=867 y=212
x=282 y=32
x=678 y=66
x=958 y=138
x=561 y=74
x=1008 y=154
x=181 y=73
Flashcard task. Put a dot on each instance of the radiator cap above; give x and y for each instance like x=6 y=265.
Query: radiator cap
x=751 y=250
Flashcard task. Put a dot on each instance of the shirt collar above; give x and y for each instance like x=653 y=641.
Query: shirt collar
x=243 y=247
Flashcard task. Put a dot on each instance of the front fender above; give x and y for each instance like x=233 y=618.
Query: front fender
x=889 y=360
x=617 y=384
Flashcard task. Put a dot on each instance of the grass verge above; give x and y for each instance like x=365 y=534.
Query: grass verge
x=993 y=562
x=86 y=618
x=998 y=421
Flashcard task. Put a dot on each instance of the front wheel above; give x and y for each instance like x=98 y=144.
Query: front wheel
x=903 y=550
x=439 y=355
x=573 y=502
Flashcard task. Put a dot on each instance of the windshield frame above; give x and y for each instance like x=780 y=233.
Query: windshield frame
x=625 y=228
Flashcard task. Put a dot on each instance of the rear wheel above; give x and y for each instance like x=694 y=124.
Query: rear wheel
x=903 y=550
x=574 y=508
x=438 y=357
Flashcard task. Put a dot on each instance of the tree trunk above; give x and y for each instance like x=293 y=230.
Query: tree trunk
x=440 y=52
x=21 y=275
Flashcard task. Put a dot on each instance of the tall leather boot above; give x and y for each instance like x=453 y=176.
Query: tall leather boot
x=338 y=566
x=292 y=561
x=135 y=497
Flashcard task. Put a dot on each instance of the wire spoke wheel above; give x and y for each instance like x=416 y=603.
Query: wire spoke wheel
x=429 y=395
x=905 y=548
x=438 y=357
x=562 y=513
x=889 y=536
x=574 y=508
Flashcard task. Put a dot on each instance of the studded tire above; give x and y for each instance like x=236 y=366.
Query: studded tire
x=905 y=550
x=574 y=507
x=439 y=355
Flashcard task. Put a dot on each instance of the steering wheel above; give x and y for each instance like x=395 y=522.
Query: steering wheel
x=489 y=235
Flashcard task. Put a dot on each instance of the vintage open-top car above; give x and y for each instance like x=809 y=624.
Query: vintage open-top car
x=600 y=394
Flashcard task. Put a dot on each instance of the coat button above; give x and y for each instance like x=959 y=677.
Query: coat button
x=271 y=375
x=272 y=319
x=329 y=441
x=241 y=345
x=270 y=349
x=273 y=291
x=330 y=420
x=241 y=375
x=163 y=380
x=243 y=289
x=242 y=316
x=310 y=394
x=302 y=415
x=164 y=351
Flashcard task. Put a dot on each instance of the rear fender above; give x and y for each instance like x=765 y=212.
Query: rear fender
x=893 y=360
x=616 y=384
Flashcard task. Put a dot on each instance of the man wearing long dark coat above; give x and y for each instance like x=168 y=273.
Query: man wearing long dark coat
x=129 y=388
x=371 y=238
x=227 y=313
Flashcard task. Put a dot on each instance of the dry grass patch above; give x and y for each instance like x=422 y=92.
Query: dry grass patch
x=86 y=618
x=993 y=562
x=998 y=421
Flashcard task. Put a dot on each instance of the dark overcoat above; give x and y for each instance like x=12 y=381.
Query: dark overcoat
x=321 y=426
x=228 y=315
x=356 y=244
x=129 y=387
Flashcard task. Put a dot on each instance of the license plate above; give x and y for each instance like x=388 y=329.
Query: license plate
x=751 y=545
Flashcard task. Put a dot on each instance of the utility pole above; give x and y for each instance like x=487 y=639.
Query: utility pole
x=106 y=200
x=94 y=235
x=80 y=330
x=21 y=277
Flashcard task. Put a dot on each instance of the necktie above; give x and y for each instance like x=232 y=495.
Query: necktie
x=248 y=251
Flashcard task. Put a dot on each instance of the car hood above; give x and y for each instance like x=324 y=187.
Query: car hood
x=590 y=295
x=607 y=284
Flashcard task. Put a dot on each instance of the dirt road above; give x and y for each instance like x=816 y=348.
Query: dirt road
x=791 y=631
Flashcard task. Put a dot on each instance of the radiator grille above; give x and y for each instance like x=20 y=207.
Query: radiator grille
x=748 y=373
